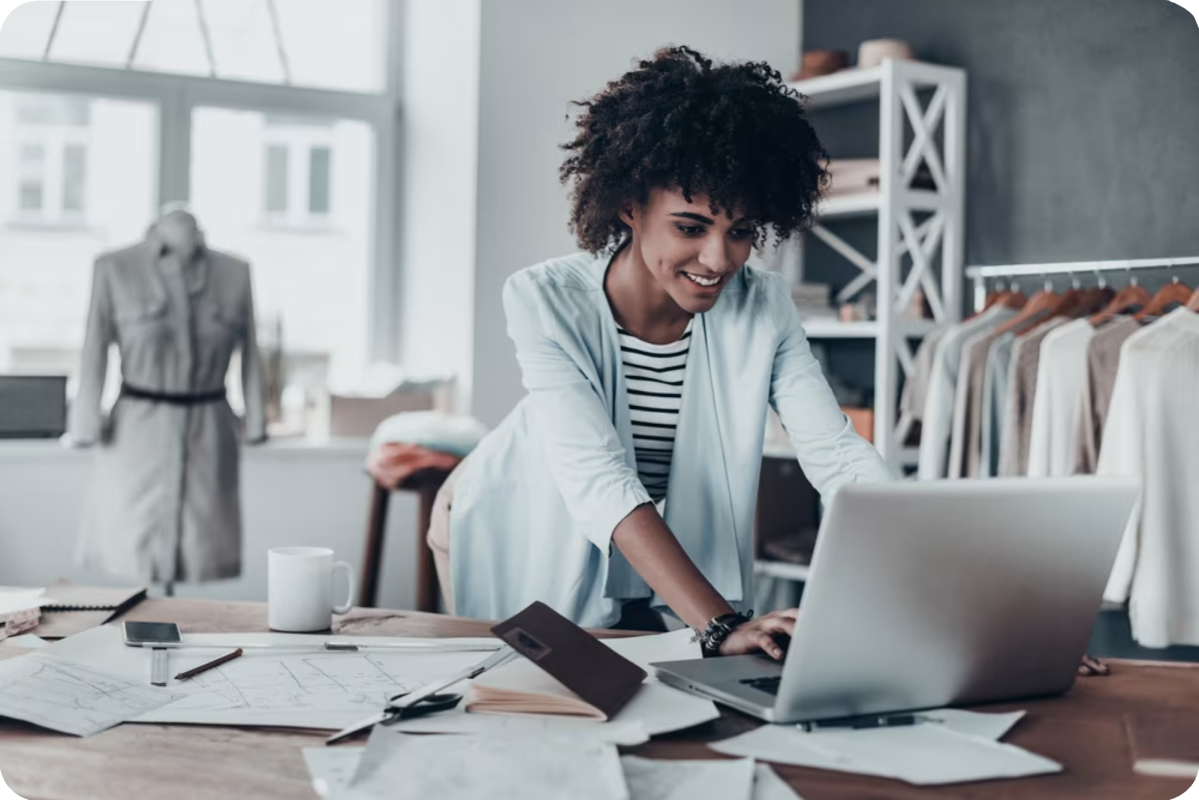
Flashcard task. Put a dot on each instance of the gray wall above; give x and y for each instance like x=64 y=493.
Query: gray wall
x=536 y=56
x=1083 y=118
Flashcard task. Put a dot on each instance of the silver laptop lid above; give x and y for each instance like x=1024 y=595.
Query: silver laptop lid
x=929 y=594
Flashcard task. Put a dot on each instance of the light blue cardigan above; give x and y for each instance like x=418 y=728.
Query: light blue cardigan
x=535 y=504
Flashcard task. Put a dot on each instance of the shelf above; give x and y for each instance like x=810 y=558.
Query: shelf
x=853 y=84
x=867 y=203
x=782 y=569
x=835 y=329
x=847 y=86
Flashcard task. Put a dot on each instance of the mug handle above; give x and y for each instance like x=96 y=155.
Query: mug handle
x=350 y=587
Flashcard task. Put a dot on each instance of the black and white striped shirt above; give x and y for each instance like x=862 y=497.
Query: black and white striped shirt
x=654 y=376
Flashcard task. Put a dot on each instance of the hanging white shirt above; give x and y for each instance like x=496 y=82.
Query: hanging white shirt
x=1151 y=433
x=1061 y=378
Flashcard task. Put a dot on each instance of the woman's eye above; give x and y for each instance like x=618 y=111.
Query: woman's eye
x=741 y=233
x=690 y=230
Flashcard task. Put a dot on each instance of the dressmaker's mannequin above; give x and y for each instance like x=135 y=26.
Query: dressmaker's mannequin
x=164 y=502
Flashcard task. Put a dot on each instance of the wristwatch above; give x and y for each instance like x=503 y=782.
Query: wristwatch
x=719 y=628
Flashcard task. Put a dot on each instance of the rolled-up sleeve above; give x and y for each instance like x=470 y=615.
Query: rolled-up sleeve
x=578 y=439
x=829 y=450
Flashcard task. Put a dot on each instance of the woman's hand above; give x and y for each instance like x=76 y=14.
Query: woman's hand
x=756 y=634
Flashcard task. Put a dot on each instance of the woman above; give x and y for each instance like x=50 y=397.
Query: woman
x=625 y=481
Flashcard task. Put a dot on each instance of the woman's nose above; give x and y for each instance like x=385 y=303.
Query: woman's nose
x=714 y=255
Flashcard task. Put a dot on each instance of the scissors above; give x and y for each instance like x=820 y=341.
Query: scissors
x=428 y=699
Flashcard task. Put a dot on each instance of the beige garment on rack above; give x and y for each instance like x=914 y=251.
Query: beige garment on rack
x=937 y=423
x=1151 y=433
x=965 y=449
x=1017 y=408
x=1103 y=360
x=915 y=388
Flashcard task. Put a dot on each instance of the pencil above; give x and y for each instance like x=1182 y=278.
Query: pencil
x=194 y=671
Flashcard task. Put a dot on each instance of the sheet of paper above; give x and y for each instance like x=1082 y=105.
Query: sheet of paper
x=331 y=768
x=28 y=641
x=644 y=650
x=397 y=766
x=769 y=786
x=656 y=779
x=314 y=689
x=664 y=709
x=71 y=698
x=924 y=754
x=18 y=598
x=319 y=690
x=972 y=723
x=457 y=721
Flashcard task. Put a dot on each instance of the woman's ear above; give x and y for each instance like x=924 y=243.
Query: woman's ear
x=628 y=215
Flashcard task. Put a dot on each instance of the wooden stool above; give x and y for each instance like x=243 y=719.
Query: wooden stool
x=425 y=483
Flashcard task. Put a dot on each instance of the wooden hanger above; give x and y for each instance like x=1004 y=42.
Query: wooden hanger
x=1193 y=305
x=996 y=296
x=1132 y=297
x=1172 y=294
x=1015 y=299
x=1040 y=306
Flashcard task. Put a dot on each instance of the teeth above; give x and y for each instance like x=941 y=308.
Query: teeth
x=702 y=281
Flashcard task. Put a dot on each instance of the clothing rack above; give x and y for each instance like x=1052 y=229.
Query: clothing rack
x=980 y=274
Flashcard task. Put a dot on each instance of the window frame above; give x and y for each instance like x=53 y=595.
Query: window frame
x=176 y=96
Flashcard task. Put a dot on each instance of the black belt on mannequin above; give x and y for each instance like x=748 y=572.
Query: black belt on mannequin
x=172 y=398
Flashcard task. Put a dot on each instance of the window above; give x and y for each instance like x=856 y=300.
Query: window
x=307 y=233
x=276 y=179
x=218 y=113
x=52 y=133
x=328 y=44
x=57 y=153
x=297 y=172
x=318 y=180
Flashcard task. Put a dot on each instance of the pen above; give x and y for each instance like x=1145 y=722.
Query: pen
x=859 y=723
x=216 y=662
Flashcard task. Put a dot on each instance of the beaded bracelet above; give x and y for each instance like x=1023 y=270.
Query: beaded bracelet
x=719 y=629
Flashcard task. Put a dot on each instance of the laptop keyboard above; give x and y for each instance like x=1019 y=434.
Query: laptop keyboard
x=768 y=685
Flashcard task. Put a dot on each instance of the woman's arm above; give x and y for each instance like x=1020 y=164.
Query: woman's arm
x=599 y=488
x=829 y=450
x=658 y=557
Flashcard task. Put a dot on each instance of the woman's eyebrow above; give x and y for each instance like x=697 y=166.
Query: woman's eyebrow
x=696 y=217
x=703 y=219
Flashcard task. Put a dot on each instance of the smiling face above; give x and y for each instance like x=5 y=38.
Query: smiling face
x=690 y=252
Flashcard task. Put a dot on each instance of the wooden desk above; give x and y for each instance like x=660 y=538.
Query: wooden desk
x=1083 y=730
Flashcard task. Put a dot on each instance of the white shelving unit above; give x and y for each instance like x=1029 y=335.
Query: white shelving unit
x=926 y=255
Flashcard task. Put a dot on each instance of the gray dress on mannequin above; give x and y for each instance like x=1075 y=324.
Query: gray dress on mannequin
x=163 y=503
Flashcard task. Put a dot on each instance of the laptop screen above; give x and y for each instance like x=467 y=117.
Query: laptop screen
x=33 y=406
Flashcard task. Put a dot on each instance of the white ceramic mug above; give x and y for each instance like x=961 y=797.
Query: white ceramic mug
x=300 y=589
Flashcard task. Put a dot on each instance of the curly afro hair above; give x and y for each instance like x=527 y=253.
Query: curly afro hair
x=733 y=132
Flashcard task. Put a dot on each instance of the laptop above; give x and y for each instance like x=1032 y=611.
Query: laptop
x=33 y=406
x=926 y=595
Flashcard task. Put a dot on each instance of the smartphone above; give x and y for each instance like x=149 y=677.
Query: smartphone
x=152 y=634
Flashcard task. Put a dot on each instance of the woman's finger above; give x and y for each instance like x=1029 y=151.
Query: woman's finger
x=786 y=613
x=776 y=625
x=767 y=644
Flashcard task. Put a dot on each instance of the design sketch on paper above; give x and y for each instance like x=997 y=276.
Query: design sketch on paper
x=297 y=683
x=72 y=698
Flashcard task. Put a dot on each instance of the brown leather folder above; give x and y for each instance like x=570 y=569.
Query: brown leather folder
x=579 y=661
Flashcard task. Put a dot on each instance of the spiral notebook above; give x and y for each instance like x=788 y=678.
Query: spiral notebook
x=74 y=608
